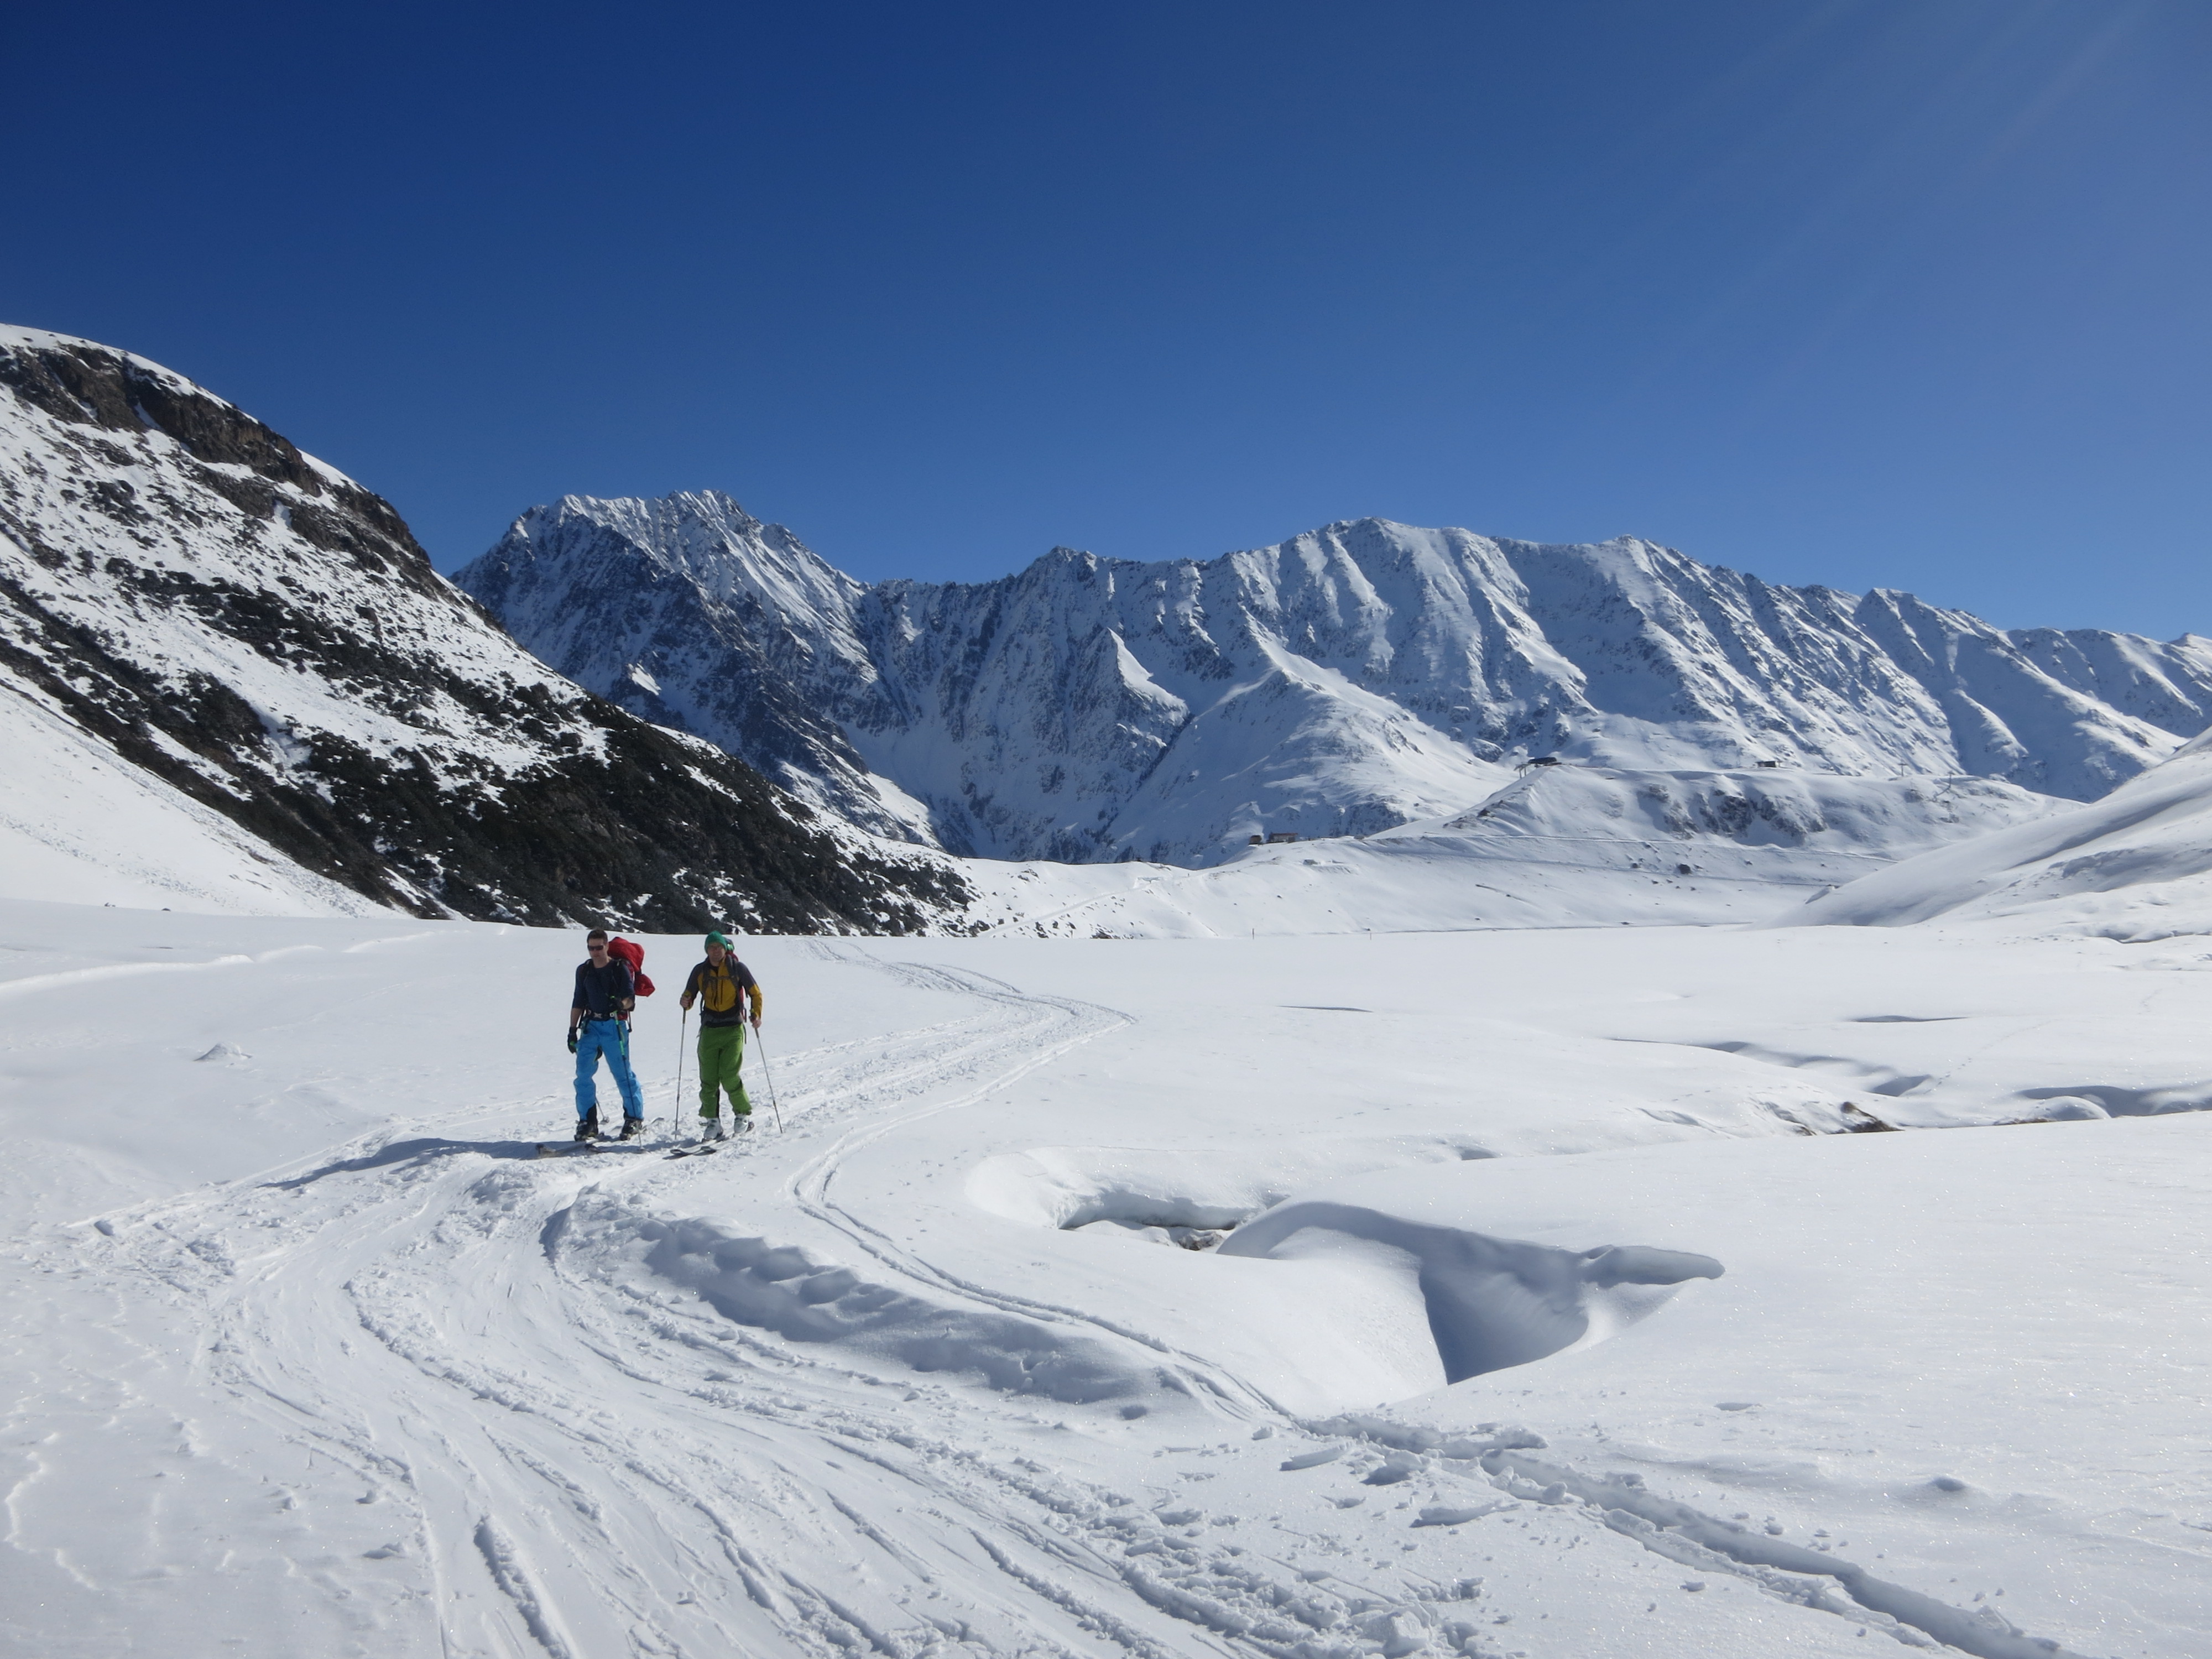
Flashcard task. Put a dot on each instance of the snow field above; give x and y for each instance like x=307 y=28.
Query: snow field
x=1984 y=1352
x=308 y=1352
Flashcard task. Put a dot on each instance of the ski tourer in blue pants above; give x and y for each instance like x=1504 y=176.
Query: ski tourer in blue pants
x=608 y=1037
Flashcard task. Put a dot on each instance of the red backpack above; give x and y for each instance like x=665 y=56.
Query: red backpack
x=634 y=955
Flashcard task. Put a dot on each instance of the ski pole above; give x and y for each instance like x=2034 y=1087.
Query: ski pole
x=676 y=1105
x=771 y=1076
x=627 y=1033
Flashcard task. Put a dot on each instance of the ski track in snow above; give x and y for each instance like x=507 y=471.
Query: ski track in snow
x=632 y=1472
x=704 y=1507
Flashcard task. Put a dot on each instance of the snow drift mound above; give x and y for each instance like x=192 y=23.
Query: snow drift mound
x=2128 y=866
x=1489 y=1302
x=804 y=1296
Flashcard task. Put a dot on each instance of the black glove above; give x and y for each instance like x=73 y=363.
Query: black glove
x=572 y=1039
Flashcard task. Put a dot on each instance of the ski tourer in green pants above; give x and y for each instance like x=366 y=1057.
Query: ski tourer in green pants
x=721 y=985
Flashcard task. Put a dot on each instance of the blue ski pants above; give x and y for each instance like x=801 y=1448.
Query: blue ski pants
x=605 y=1036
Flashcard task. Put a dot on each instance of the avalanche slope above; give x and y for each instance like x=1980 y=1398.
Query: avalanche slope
x=307 y=1352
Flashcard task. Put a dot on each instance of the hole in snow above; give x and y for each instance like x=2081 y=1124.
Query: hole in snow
x=1160 y=1231
x=1364 y=1304
x=1180 y=1188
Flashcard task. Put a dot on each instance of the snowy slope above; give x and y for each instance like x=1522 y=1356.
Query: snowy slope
x=79 y=824
x=306 y=1353
x=1561 y=846
x=1876 y=818
x=2134 y=864
x=1352 y=679
x=181 y=588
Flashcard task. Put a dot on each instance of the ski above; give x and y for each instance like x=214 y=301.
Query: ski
x=694 y=1151
x=568 y=1148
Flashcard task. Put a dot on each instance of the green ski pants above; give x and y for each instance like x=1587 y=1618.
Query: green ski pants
x=721 y=1051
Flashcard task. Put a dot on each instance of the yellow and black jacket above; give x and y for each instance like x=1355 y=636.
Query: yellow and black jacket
x=719 y=990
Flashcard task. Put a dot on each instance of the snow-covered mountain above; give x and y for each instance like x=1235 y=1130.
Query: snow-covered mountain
x=1355 y=678
x=696 y=616
x=232 y=679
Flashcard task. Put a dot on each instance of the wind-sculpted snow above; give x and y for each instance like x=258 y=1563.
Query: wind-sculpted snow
x=1488 y=1302
x=233 y=681
x=1349 y=680
x=806 y=1298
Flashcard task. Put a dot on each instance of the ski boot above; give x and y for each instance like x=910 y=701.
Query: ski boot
x=711 y=1130
x=587 y=1127
x=741 y=1124
x=632 y=1128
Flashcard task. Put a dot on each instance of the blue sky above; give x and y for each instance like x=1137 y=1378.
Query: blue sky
x=1911 y=295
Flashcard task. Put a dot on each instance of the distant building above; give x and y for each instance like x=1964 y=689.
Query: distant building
x=1281 y=837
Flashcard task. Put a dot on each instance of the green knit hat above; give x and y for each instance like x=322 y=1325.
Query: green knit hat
x=721 y=940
